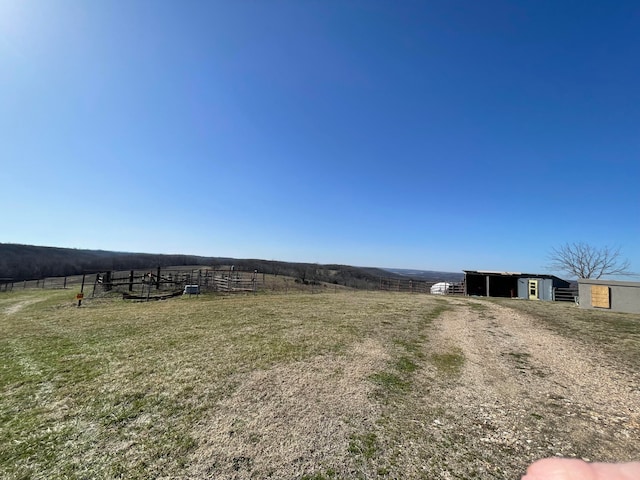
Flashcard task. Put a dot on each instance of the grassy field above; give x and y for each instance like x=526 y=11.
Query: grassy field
x=306 y=386
x=117 y=389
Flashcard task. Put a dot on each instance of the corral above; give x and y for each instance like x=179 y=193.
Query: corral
x=221 y=279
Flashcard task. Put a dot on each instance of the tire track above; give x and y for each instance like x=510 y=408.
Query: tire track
x=526 y=388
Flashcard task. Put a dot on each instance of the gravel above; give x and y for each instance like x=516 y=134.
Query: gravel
x=527 y=393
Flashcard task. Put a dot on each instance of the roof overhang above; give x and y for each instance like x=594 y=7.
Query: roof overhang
x=494 y=272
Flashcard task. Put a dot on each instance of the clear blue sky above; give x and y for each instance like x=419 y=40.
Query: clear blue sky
x=440 y=135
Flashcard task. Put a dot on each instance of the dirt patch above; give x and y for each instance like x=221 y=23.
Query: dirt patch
x=15 y=308
x=291 y=420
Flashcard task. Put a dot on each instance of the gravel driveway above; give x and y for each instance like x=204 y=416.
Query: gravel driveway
x=525 y=393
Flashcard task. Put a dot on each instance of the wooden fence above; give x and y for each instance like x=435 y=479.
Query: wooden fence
x=226 y=280
x=208 y=280
x=419 y=286
x=166 y=279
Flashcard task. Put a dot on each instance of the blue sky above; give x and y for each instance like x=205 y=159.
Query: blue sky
x=441 y=135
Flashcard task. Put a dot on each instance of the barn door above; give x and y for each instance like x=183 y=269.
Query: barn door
x=533 y=290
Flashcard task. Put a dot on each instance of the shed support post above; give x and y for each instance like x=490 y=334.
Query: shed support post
x=487 y=280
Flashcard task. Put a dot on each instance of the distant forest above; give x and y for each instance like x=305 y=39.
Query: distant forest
x=28 y=262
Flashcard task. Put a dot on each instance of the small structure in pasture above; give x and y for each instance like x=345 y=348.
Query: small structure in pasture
x=191 y=290
x=441 y=288
x=532 y=286
x=610 y=295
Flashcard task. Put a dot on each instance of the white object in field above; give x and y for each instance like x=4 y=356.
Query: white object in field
x=440 y=288
x=191 y=290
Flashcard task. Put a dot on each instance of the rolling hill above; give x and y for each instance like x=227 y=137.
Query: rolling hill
x=30 y=262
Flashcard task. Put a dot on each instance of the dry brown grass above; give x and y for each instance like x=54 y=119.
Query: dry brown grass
x=231 y=386
x=311 y=386
x=292 y=419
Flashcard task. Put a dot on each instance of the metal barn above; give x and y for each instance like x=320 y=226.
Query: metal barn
x=531 y=286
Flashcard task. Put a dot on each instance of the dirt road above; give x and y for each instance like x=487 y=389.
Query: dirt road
x=525 y=392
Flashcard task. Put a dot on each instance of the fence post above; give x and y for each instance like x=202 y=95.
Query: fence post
x=158 y=279
x=81 y=290
x=131 y=281
x=95 y=282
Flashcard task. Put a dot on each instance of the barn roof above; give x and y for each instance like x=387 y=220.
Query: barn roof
x=511 y=274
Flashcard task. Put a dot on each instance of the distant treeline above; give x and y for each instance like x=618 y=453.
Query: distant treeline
x=28 y=262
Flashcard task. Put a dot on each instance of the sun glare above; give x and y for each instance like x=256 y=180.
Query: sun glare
x=22 y=25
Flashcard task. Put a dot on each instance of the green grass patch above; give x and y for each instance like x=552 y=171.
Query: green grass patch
x=477 y=307
x=449 y=363
x=439 y=308
x=390 y=382
x=405 y=365
x=408 y=352
x=364 y=445
x=328 y=474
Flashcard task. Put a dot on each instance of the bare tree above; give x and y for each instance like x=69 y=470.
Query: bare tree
x=586 y=261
